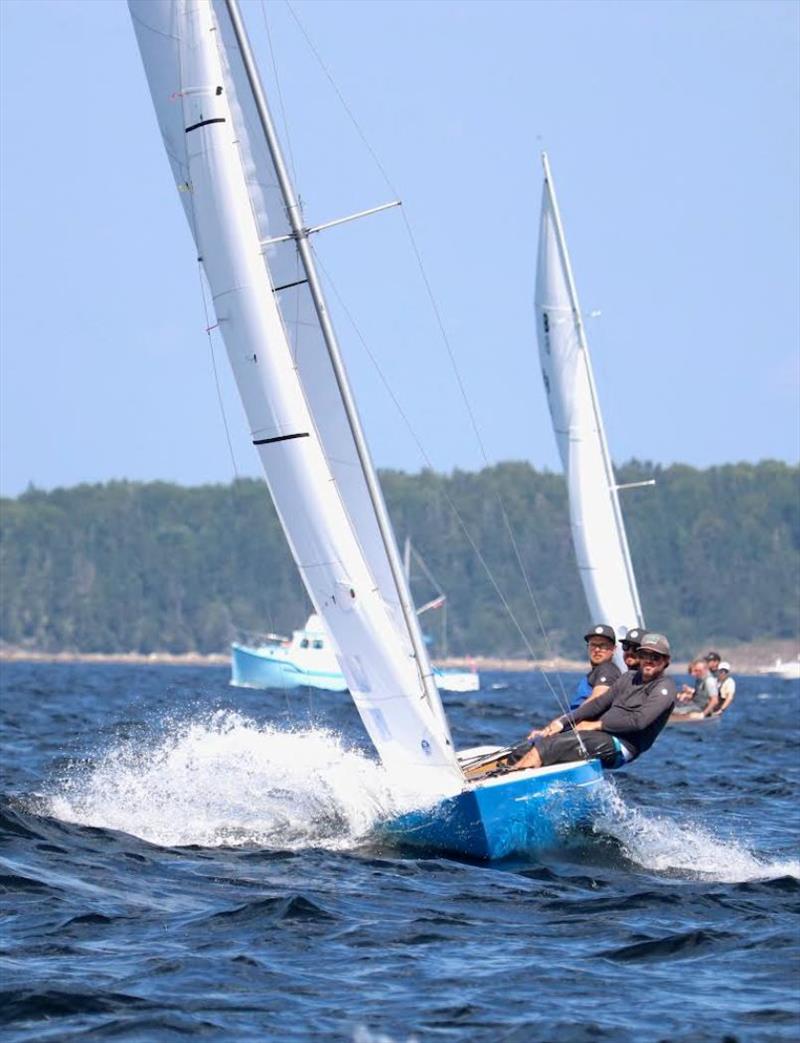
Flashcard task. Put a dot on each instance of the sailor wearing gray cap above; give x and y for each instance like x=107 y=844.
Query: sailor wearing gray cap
x=654 y=643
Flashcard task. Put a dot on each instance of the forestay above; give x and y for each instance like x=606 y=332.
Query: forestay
x=598 y=531
x=233 y=201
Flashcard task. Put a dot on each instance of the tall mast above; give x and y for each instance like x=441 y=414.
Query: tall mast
x=578 y=318
x=300 y=234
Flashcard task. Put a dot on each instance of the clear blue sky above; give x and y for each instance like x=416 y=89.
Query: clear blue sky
x=673 y=134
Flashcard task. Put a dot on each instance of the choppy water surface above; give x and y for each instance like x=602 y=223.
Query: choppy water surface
x=181 y=858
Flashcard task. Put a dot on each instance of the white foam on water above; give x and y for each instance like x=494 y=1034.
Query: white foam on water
x=364 y=1035
x=665 y=845
x=226 y=780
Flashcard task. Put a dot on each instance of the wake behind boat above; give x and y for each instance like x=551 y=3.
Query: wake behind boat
x=253 y=243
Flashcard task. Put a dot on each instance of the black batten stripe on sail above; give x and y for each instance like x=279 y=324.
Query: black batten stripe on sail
x=205 y=123
x=279 y=438
x=289 y=285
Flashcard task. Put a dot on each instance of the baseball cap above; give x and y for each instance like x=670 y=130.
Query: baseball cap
x=633 y=637
x=601 y=630
x=725 y=665
x=712 y=655
x=655 y=643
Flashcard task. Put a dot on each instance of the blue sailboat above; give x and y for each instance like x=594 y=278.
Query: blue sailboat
x=253 y=243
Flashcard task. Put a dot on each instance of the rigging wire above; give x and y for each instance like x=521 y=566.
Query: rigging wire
x=278 y=91
x=209 y=329
x=561 y=700
x=443 y=332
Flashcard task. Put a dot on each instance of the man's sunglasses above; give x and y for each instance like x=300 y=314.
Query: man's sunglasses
x=626 y=647
x=651 y=657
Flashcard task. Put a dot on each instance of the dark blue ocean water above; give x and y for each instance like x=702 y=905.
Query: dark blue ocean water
x=182 y=859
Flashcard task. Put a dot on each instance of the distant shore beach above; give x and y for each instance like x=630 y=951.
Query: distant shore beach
x=745 y=658
x=21 y=655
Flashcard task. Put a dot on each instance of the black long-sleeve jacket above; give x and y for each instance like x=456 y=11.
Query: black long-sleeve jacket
x=631 y=710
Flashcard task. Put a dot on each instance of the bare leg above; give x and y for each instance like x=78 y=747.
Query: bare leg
x=530 y=760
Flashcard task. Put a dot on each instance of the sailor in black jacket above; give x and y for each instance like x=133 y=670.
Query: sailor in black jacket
x=617 y=726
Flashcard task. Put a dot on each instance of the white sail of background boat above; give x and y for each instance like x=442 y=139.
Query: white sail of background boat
x=598 y=530
x=253 y=244
x=254 y=249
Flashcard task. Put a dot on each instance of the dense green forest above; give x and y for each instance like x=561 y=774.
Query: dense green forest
x=144 y=567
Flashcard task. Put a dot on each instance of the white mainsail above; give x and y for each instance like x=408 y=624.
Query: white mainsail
x=598 y=531
x=293 y=396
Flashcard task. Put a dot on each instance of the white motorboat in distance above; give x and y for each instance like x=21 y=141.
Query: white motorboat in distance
x=783 y=671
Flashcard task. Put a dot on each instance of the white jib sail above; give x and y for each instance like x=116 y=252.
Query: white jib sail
x=293 y=405
x=598 y=531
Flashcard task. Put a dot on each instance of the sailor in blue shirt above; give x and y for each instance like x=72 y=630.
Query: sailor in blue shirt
x=603 y=672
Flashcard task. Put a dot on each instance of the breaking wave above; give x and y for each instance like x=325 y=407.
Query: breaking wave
x=226 y=780
x=664 y=845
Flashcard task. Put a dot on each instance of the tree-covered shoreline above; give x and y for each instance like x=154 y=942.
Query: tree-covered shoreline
x=146 y=567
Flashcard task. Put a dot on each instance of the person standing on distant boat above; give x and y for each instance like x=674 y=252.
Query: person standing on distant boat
x=727 y=686
x=630 y=647
x=616 y=727
x=603 y=672
x=703 y=699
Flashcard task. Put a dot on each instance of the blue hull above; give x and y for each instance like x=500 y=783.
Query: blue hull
x=256 y=668
x=511 y=815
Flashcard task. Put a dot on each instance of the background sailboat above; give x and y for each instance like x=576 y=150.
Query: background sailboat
x=598 y=530
x=253 y=244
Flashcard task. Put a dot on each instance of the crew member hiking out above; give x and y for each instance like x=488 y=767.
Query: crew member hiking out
x=616 y=727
